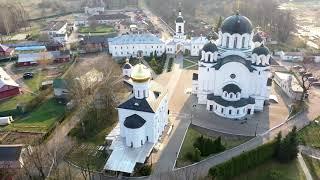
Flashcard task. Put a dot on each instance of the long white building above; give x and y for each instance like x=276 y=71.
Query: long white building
x=233 y=78
x=130 y=45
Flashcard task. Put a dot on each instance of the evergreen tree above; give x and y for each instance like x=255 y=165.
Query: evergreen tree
x=288 y=149
x=218 y=25
x=153 y=62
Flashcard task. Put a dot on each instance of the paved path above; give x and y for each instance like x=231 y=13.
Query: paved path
x=310 y=151
x=304 y=167
x=172 y=144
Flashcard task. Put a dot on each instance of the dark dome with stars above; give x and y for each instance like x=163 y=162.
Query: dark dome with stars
x=210 y=47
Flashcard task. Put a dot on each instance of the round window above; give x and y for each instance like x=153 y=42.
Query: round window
x=233 y=76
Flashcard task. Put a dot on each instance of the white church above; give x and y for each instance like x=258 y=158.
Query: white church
x=131 y=44
x=143 y=117
x=233 y=78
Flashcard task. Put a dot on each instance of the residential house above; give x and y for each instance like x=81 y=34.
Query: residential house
x=57 y=31
x=94 y=10
x=10 y=157
x=109 y=18
x=289 y=84
x=8 y=87
x=5 y=51
x=291 y=56
x=32 y=59
x=91 y=44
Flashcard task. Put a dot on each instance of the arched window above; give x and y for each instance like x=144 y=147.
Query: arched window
x=138 y=93
x=231 y=96
x=235 y=43
x=227 y=43
x=131 y=144
x=243 y=41
x=209 y=57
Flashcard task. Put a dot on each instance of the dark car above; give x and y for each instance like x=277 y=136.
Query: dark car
x=28 y=75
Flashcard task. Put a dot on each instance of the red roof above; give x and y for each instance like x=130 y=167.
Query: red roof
x=3 y=48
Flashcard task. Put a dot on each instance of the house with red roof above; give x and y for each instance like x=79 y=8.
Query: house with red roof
x=8 y=87
x=5 y=51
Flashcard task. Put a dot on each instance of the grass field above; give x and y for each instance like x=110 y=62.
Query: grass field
x=313 y=166
x=11 y=104
x=41 y=119
x=192 y=136
x=101 y=29
x=273 y=170
x=310 y=135
x=35 y=83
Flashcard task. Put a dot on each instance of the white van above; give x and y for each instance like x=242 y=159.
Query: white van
x=5 y=120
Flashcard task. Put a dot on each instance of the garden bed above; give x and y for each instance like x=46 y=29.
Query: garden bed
x=87 y=156
x=41 y=119
x=192 y=136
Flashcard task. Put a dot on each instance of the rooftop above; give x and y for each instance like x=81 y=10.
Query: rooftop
x=5 y=79
x=124 y=158
x=109 y=17
x=55 y=26
x=295 y=86
x=10 y=152
x=135 y=39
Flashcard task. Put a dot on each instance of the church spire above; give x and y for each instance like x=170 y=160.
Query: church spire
x=179 y=9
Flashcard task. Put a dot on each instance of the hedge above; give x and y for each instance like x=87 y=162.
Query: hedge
x=243 y=162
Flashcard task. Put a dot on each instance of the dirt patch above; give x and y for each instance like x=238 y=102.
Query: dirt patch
x=19 y=137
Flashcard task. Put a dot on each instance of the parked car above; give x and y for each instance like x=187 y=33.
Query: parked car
x=316 y=84
x=28 y=75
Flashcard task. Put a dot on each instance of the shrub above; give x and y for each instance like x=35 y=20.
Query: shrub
x=243 y=162
x=207 y=146
x=275 y=175
x=196 y=155
x=145 y=170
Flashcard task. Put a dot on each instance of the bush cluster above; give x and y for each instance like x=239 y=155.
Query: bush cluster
x=207 y=146
x=284 y=150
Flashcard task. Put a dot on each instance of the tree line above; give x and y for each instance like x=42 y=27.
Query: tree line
x=265 y=14
x=12 y=17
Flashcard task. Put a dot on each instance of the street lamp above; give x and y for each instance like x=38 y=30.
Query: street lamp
x=192 y=109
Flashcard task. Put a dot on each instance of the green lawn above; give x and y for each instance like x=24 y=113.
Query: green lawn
x=313 y=166
x=310 y=135
x=192 y=136
x=41 y=119
x=273 y=170
x=87 y=156
x=11 y=104
x=188 y=63
x=98 y=29
x=35 y=83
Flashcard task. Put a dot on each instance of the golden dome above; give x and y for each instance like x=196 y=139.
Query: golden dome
x=140 y=73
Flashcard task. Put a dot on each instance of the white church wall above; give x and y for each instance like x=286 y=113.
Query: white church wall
x=135 y=137
x=243 y=78
x=149 y=125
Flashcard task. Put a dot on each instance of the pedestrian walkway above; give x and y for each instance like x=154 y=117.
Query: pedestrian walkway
x=304 y=167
